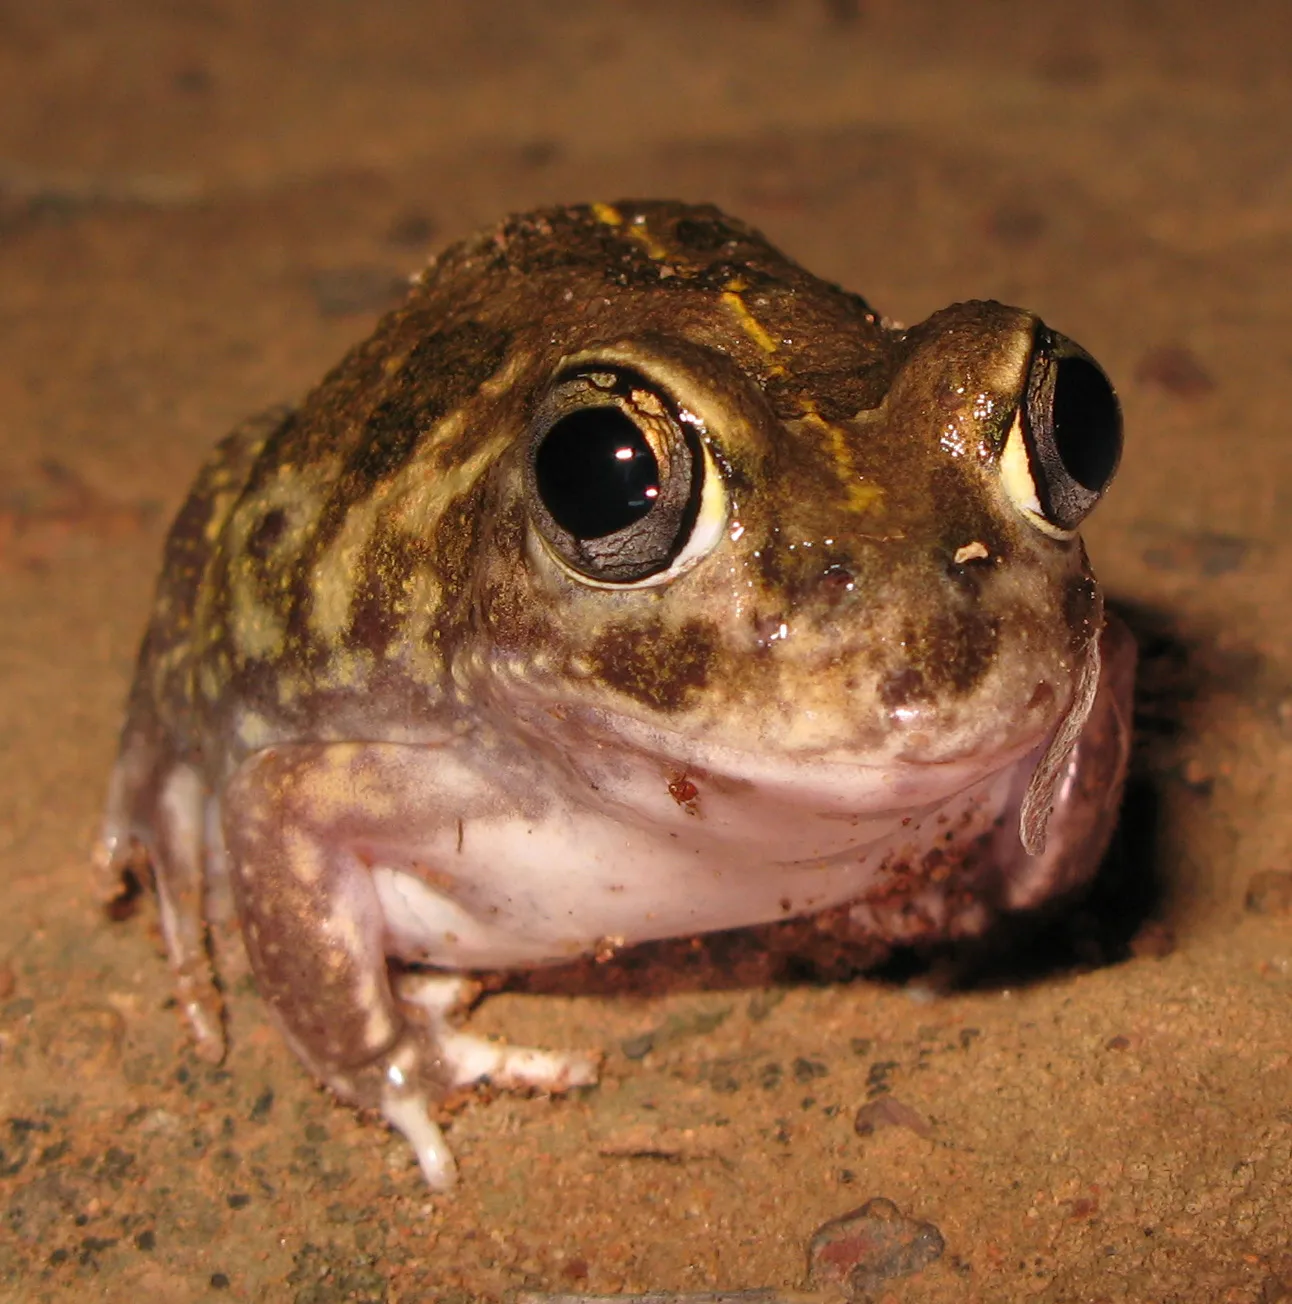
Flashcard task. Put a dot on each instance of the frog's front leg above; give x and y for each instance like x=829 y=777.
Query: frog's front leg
x=305 y=827
x=1086 y=796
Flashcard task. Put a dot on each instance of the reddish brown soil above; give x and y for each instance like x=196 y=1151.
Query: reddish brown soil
x=201 y=205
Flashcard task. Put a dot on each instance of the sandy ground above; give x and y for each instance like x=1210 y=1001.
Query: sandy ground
x=202 y=204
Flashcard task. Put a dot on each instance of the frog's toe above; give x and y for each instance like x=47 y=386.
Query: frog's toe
x=474 y=1059
x=439 y=995
x=405 y=1111
x=204 y=1010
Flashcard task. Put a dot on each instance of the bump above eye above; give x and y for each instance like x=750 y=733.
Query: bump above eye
x=618 y=481
x=1063 y=449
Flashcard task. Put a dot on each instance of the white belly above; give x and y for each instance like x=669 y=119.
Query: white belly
x=510 y=892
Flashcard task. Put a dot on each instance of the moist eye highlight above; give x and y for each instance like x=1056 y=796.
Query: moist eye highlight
x=596 y=473
x=615 y=478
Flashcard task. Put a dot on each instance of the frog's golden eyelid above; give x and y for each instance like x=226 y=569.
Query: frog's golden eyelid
x=1016 y=476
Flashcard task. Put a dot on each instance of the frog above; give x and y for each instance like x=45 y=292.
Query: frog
x=628 y=582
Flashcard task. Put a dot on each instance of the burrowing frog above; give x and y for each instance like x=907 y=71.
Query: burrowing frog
x=629 y=582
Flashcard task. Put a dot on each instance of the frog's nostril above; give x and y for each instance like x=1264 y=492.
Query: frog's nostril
x=836 y=582
x=769 y=629
x=1042 y=696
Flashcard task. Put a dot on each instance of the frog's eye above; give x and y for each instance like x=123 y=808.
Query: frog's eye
x=621 y=484
x=1062 y=451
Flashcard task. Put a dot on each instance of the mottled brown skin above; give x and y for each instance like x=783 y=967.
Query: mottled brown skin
x=367 y=568
x=240 y=616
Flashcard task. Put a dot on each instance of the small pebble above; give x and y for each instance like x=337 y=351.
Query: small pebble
x=886 y=1111
x=871 y=1245
x=805 y=1070
x=638 y=1047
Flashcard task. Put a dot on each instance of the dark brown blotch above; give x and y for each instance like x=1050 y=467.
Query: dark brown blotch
x=502 y=601
x=962 y=647
x=961 y=510
x=194 y=569
x=303 y=646
x=457 y=542
x=266 y=533
x=449 y=366
x=946 y=656
x=660 y=667
x=379 y=607
x=440 y=374
x=570 y=239
x=275 y=452
x=704 y=235
x=389 y=439
x=836 y=396
x=902 y=687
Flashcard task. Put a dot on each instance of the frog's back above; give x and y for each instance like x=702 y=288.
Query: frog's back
x=161 y=729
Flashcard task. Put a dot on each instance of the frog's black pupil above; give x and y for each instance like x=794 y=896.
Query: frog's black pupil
x=596 y=472
x=1087 y=423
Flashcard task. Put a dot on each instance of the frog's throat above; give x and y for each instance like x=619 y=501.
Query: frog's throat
x=1038 y=801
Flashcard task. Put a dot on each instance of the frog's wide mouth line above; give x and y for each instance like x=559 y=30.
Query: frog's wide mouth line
x=864 y=782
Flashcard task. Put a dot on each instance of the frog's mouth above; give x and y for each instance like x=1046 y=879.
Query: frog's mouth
x=643 y=769
x=648 y=771
x=861 y=783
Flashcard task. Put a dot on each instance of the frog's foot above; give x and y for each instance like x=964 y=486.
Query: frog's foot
x=468 y=1059
x=464 y=1059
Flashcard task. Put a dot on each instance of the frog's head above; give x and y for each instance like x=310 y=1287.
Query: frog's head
x=743 y=521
